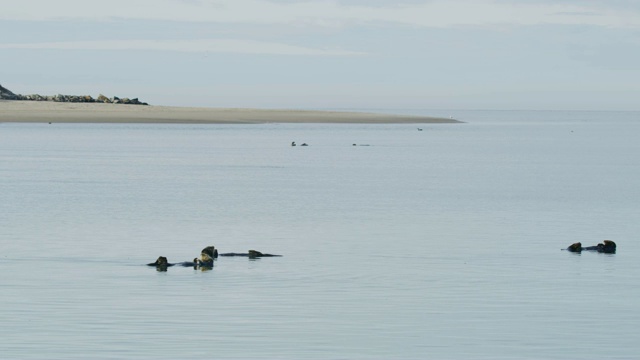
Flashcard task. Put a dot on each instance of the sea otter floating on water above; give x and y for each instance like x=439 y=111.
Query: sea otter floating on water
x=252 y=254
x=607 y=247
x=162 y=262
x=207 y=255
x=210 y=252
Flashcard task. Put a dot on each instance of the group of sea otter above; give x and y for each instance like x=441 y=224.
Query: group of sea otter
x=207 y=255
x=607 y=247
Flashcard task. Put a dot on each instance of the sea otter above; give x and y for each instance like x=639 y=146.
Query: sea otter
x=210 y=252
x=193 y=263
x=163 y=263
x=207 y=255
x=607 y=247
x=252 y=254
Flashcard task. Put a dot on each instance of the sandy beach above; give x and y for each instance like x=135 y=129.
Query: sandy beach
x=46 y=111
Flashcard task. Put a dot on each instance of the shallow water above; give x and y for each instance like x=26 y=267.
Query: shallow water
x=443 y=243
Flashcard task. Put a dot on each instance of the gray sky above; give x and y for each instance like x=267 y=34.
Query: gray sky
x=439 y=54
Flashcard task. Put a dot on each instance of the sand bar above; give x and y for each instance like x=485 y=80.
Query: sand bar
x=47 y=111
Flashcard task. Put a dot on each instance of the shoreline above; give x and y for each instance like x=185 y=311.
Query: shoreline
x=19 y=111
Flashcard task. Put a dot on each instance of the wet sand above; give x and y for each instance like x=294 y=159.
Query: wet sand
x=45 y=111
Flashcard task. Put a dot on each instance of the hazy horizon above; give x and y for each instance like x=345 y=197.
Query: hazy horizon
x=460 y=54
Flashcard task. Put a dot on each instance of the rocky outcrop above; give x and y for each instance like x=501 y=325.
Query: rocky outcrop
x=116 y=100
x=6 y=94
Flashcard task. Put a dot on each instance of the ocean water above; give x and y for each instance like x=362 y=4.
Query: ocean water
x=442 y=243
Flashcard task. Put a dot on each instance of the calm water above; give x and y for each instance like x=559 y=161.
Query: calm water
x=443 y=243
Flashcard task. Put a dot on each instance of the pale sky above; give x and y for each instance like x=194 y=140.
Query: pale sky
x=375 y=54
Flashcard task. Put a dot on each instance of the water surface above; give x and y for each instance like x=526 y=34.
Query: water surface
x=442 y=243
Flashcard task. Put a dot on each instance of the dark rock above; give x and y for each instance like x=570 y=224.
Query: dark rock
x=7 y=94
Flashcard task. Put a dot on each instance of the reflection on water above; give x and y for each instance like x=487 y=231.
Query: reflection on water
x=441 y=243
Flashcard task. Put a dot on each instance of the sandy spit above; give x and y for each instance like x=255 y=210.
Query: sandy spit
x=45 y=111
